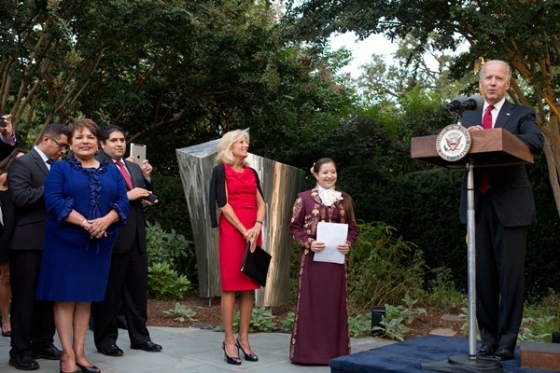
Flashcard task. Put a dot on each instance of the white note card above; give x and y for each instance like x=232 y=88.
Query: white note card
x=332 y=234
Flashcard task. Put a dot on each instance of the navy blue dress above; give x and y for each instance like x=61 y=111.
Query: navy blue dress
x=75 y=268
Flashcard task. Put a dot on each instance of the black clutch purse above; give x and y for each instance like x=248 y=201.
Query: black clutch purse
x=255 y=264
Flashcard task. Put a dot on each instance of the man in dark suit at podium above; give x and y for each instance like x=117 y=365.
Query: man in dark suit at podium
x=504 y=210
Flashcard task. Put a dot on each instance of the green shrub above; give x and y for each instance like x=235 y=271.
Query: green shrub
x=171 y=248
x=382 y=267
x=164 y=283
x=442 y=293
x=538 y=329
x=165 y=247
x=541 y=319
x=392 y=328
x=542 y=260
x=262 y=320
x=360 y=325
x=181 y=313
x=395 y=322
x=424 y=207
x=288 y=323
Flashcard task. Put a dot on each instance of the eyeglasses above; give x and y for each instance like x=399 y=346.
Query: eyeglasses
x=61 y=146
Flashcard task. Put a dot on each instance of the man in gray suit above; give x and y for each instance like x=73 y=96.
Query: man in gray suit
x=32 y=321
x=504 y=210
x=128 y=277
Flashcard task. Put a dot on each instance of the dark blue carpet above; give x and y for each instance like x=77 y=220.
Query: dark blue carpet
x=408 y=357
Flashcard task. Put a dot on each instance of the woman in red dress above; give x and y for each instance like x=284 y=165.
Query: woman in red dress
x=320 y=331
x=235 y=188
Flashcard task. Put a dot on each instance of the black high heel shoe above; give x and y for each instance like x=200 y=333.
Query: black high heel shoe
x=6 y=334
x=88 y=369
x=248 y=357
x=230 y=360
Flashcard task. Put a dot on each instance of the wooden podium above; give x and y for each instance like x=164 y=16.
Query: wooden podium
x=495 y=147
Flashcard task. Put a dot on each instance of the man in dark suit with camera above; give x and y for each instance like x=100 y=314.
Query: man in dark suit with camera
x=33 y=325
x=128 y=277
x=504 y=210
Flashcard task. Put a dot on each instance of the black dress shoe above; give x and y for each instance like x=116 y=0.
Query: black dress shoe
x=112 y=350
x=147 y=346
x=49 y=353
x=23 y=362
x=486 y=350
x=503 y=354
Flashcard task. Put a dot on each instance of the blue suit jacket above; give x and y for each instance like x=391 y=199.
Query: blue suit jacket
x=511 y=189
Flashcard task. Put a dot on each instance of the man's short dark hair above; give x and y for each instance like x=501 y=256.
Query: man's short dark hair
x=107 y=131
x=53 y=130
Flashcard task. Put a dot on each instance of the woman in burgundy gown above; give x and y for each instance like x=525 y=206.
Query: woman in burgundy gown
x=320 y=331
x=235 y=188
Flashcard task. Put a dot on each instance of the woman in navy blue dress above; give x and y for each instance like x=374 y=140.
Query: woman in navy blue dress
x=86 y=200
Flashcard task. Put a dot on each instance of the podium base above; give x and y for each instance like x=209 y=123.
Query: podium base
x=464 y=364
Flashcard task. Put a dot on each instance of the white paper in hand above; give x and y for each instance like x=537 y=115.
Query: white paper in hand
x=332 y=234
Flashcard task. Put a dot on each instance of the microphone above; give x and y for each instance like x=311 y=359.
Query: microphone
x=455 y=104
x=472 y=103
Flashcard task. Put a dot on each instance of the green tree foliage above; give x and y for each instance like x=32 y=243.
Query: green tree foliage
x=408 y=71
x=525 y=33
x=319 y=101
x=172 y=74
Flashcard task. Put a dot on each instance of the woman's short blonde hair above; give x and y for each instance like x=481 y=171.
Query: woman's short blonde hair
x=226 y=143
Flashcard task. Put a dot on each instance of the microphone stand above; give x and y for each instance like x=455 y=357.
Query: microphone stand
x=468 y=363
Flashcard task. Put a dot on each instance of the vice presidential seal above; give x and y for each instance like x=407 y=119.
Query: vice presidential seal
x=453 y=142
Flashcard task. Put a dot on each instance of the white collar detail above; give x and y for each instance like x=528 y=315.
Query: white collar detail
x=329 y=196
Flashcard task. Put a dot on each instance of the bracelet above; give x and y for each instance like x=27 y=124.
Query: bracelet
x=258 y=221
x=82 y=225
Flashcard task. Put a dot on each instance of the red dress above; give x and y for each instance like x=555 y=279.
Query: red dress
x=242 y=197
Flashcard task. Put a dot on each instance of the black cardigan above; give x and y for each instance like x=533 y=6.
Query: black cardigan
x=218 y=190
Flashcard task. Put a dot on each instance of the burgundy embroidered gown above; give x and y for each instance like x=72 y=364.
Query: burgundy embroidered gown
x=242 y=197
x=320 y=330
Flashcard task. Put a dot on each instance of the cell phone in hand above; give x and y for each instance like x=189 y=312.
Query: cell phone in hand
x=3 y=122
x=152 y=198
x=138 y=152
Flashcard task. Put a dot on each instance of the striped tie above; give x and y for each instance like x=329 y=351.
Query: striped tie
x=124 y=173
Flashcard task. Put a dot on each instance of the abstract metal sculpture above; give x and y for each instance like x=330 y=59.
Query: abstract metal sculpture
x=280 y=184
